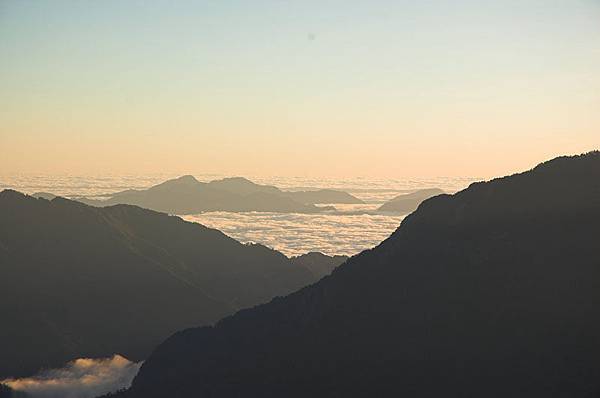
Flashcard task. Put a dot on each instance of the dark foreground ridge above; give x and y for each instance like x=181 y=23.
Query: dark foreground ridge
x=490 y=292
x=318 y=264
x=79 y=281
x=7 y=392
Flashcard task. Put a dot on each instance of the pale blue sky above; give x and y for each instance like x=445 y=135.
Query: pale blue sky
x=383 y=88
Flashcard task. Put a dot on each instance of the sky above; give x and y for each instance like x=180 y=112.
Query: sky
x=297 y=88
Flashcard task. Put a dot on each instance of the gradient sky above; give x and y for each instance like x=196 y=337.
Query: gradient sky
x=333 y=88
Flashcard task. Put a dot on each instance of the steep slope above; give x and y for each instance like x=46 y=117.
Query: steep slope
x=408 y=203
x=489 y=292
x=80 y=281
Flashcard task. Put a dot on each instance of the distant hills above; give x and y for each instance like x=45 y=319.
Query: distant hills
x=186 y=195
x=408 y=203
x=318 y=264
x=80 y=281
x=490 y=292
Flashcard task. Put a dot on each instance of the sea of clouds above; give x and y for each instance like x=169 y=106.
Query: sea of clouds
x=293 y=234
x=348 y=231
x=81 y=378
x=371 y=190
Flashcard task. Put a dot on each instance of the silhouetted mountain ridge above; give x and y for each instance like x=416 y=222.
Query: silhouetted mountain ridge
x=489 y=292
x=319 y=264
x=187 y=195
x=408 y=203
x=81 y=281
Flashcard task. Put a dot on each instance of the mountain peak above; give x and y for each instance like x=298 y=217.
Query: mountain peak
x=242 y=186
x=235 y=181
x=571 y=161
x=183 y=181
x=11 y=193
x=186 y=179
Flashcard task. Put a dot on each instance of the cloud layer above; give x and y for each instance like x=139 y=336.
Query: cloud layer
x=348 y=231
x=82 y=378
x=293 y=234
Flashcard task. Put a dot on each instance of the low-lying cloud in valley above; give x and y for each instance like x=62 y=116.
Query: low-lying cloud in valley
x=346 y=233
x=82 y=378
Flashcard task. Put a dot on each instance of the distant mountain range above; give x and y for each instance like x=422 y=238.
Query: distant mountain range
x=408 y=203
x=186 y=195
x=80 y=281
x=490 y=292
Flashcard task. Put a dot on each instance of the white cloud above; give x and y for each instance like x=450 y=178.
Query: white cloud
x=82 y=378
x=344 y=232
